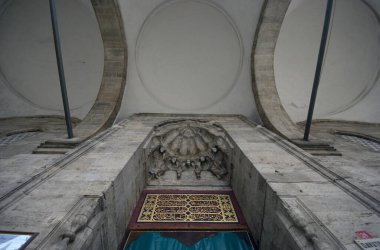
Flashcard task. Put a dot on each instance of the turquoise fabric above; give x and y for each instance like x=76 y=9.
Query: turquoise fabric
x=220 y=241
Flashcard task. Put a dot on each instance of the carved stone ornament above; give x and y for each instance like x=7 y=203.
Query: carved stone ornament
x=183 y=145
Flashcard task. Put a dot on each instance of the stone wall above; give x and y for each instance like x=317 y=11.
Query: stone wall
x=290 y=200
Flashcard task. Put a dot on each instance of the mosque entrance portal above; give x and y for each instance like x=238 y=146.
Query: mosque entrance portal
x=188 y=202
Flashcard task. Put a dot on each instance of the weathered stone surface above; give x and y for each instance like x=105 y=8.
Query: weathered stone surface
x=288 y=202
x=267 y=100
x=358 y=165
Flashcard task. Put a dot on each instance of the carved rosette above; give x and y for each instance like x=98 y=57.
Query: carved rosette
x=184 y=145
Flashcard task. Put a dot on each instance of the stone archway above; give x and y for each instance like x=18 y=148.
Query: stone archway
x=107 y=104
x=267 y=99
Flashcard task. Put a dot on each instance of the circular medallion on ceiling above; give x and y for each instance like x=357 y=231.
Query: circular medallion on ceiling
x=188 y=54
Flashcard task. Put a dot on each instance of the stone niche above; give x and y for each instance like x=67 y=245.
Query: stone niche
x=188 y=152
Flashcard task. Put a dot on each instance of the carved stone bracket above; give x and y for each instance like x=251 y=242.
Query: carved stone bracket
x=183 y=145
x=79 y=223
x=304 y=227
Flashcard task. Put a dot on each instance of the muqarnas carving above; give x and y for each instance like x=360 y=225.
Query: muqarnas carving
x=184 y=145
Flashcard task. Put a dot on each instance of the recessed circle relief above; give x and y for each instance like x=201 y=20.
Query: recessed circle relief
x=188 y=54
x=352 y=62
x=28 y=60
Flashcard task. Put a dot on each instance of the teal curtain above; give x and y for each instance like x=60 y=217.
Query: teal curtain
x=220 y=241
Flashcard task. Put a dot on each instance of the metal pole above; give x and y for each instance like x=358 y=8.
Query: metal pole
x=58 y=53
x=318 y=69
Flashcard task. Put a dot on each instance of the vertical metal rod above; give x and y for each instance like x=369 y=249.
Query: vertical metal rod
x=318 y=69
x=58 y=53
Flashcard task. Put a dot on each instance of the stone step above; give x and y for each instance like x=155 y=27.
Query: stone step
x=324 y=152
x=50 y=151
x=56 y=145
x=314 y=143
x=318 y=148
